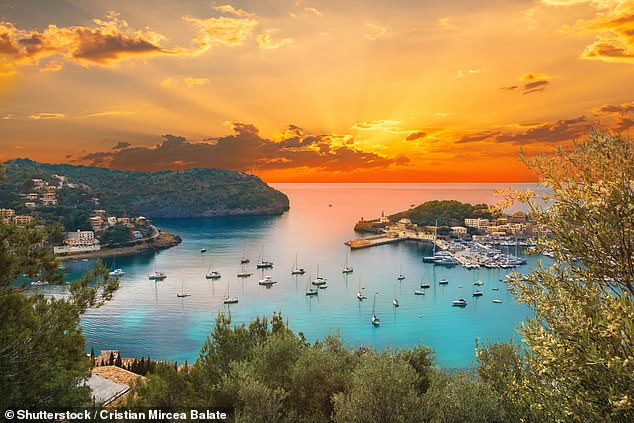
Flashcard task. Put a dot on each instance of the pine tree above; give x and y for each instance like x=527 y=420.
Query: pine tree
x=118 y=360
x=92 y=357
x=111 y=359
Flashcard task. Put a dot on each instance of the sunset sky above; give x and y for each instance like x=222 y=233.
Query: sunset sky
x=321 y=90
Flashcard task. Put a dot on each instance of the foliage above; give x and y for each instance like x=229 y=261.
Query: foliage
x=117 y=234
x=382 y=389
x=461 y=397
x=579 y=361
x=187 y=193
x=42 y=358
x=23 y=252
x=267 y=373
x=448 y=213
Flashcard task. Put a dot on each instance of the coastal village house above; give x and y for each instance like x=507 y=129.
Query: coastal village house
x=79 y=241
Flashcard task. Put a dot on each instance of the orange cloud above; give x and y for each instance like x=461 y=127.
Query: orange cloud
x=221 y=31
x=247 y=149
x=108 y=42
x=266 y=43
x=614 y=23
x=415 y=136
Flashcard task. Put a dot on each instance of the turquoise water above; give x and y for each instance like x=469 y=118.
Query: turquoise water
x=146 y=317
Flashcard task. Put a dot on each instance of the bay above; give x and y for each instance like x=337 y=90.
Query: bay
x=147 y=318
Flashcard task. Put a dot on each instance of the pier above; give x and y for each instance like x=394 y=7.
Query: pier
x=470 y=256
x=391 y=237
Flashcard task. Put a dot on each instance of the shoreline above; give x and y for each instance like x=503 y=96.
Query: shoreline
x=164 y=240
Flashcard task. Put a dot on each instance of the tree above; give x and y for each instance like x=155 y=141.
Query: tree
x=579 y=360
x=382 y=389
x=42 y=357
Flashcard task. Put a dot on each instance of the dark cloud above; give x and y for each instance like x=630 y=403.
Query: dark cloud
x=98 y=47
x=415 y=136
x=8 y=44
x=480 y=136
x=562 y=130
x=106 y=42
x=536 y=84
x=245 y=149
x=121 y=145
x=509 y=88
x=546 y=132
x=534 y=87
x=621 y=115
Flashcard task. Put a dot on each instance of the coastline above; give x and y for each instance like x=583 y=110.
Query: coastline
x=164 y=240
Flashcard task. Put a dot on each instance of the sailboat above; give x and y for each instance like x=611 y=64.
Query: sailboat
x=295 y=270
x=310 y=291
x=360 y=295
x=212 y=274
x=375 y=319
x=228 y=299
x=400 y=274
x=346 y=268
x=395 y=300
x=262 y=264
x=267 y=281
x=319 y=280
x=156 y=276
x=115 y=271
x=244 y=273
x=182 y=293
x=244 y=259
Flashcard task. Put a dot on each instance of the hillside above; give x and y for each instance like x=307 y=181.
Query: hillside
x=448 y=213
x=161 y=194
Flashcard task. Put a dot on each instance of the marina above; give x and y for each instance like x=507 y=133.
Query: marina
x=146 y=317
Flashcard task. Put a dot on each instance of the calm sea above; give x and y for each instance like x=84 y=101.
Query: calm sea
x=146 y=317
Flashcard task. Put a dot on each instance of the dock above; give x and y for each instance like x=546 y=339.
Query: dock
x=391 y=237
x=472 y=256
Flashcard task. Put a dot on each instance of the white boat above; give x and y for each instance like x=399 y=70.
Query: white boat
x=395 y=300
x=297 y=270
x=310 y=291
x=347 y=269
x=375 y=319
x=212 y=274
x=477 y=293
x=360 y=295
x=319 y=280
x=425 y=285
x=443 y=282
x=323 y=286
x=495 y=289
x=229 y=299
x=497 y=301
x=244 y=259
x=182 y=293
x=478 y=283
x=263 y=264
x=459 y=303
x=116 y=272
x=39 y=283
x=400 y=274
x=419 y=292
x=203 y=250
x=157 y=276
x=267 y=281
x=244 y=273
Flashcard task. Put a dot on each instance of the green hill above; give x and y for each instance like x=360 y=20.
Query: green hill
x=161 y=194
x=448 y=213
